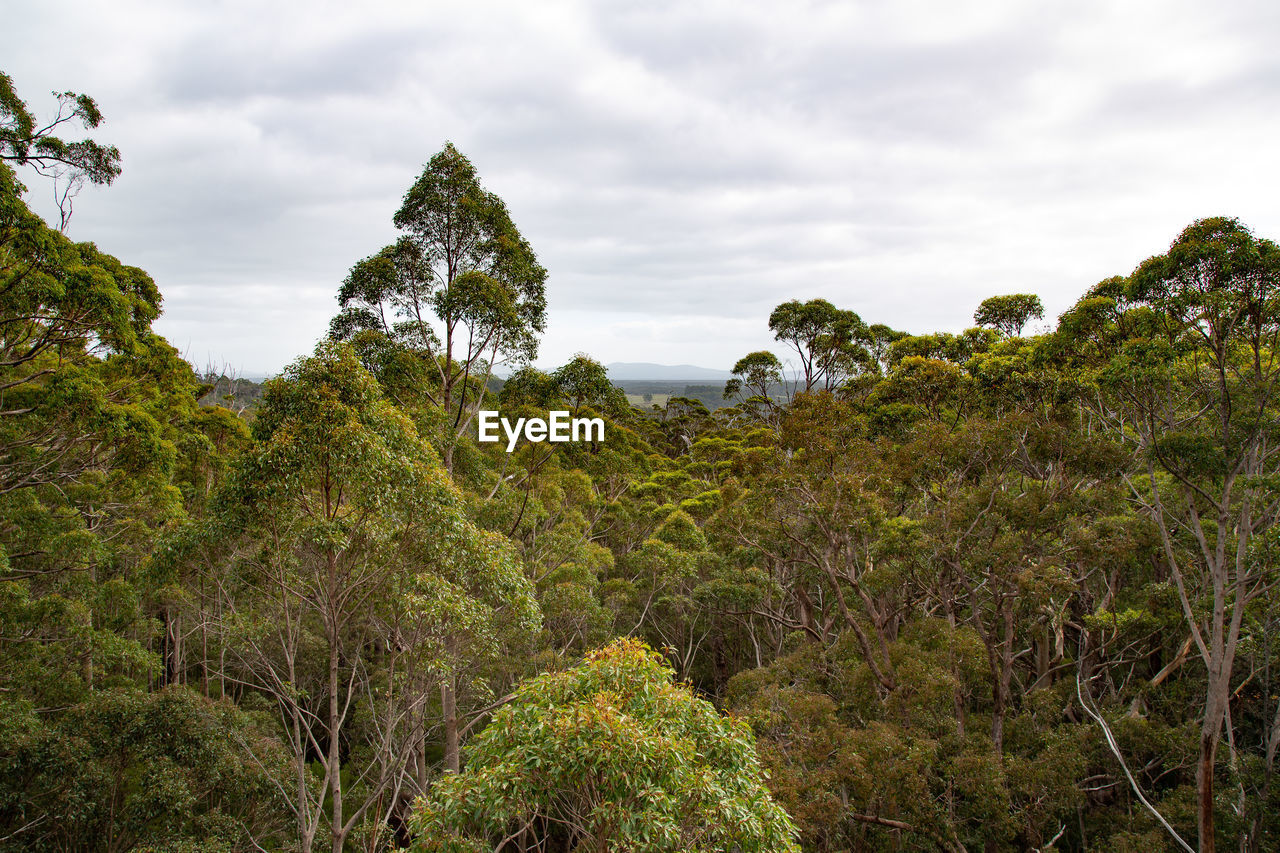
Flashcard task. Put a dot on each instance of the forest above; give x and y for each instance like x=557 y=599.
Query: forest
x=984 y=591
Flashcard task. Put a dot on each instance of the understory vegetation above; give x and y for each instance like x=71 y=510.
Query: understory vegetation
x=994 y=590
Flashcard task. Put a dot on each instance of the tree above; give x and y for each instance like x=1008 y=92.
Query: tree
x=828 y=341
x=754 y=377
x=1009 y=314
x=610 y=755
x=585 y=382
x=1185 y=375
x=126 y=769
x=70 y=164
x=880 y=339
x=942 y=346
x=821 y=525
x=358 y=583
x=98 y=417
x=462 y=288
x=531 y=387
x=63 y=308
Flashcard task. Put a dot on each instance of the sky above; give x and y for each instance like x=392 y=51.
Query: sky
x=679 y=168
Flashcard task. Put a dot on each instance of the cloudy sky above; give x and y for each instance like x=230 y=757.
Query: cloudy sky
x=679 y=168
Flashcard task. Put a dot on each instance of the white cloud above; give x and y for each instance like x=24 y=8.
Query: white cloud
x=680 y=168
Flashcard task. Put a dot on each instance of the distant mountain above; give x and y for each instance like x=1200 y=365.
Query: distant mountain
x=620 y=370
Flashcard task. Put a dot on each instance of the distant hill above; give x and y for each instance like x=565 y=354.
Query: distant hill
x=625 y=370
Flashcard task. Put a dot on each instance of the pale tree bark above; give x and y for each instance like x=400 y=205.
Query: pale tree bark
x=1224 y=567
x=315 y=715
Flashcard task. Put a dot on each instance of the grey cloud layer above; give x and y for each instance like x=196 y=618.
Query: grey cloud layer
x=680 y=168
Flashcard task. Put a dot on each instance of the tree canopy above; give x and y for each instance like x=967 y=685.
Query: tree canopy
x=1009 y=314
x=987 y=590
x=462 y=289
x=609 y=755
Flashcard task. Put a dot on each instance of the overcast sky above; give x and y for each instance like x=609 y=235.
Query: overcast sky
x=679 y=168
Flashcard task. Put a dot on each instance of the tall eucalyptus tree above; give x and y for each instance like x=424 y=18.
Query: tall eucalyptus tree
x=1185 y=357
x=462 y=288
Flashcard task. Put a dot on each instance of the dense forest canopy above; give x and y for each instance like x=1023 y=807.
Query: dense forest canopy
x=964 y=591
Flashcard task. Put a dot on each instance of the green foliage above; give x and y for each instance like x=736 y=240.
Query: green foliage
x=968 y=591
x=830 y=342
x=461 y=259
x=584 y=382
x=610 y=754
x=23 y=143
x=757 y=379
x=433 y=313
x=1009 y=314
x=350 y=534
x=126 y=769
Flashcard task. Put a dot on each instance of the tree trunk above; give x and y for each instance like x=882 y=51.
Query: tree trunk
x=1210 y=735
x=335 y=719
x=449 y=707
x=419 y=755
x=335 y=758
x=173 y=647
x=1204 y=791
x=204 y=641
x=86 y=659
